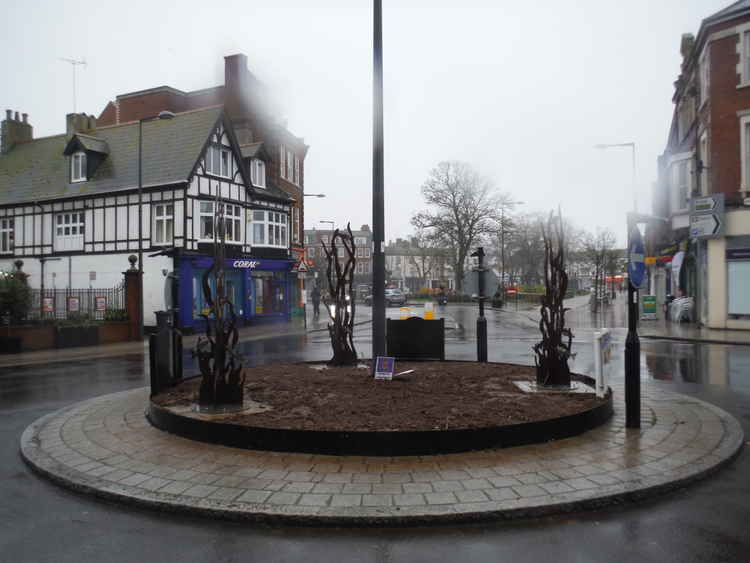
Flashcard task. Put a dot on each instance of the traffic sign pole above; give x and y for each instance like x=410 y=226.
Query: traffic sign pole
x=636 y=274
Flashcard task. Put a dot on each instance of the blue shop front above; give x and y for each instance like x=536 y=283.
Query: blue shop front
x=260 y=290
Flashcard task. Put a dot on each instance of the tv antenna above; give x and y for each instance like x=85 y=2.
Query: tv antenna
x=74 y=63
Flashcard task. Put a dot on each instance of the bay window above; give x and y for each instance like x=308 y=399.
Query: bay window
x=163 y=223
x=270 y=229
x=232 y=217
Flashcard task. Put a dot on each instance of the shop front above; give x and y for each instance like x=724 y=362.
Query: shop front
x=260 y=290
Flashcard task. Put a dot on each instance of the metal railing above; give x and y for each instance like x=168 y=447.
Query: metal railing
x=76 y=304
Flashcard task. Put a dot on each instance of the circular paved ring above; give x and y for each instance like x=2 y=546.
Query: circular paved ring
x=106 y=447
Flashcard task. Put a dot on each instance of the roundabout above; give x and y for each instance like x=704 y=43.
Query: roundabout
x=105 y=447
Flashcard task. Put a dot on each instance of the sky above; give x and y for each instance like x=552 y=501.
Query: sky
x=522 y=91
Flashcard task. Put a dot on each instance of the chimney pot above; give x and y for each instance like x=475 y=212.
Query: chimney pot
x=17 y=117
x=8 y=114
x=25 y=117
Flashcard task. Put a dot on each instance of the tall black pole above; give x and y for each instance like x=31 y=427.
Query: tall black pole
x=481 y=320
x=632 y=352
x=378 y=220
x=140 y=227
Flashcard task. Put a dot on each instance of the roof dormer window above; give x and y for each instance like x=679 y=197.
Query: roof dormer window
x=78 y=167
x=258 y=173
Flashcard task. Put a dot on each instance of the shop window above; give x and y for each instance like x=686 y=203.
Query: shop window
x=270 y=291
x=232 y=291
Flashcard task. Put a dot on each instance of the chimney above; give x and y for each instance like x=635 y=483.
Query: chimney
x=14 y=131
x=235 y=80
x=78 y=123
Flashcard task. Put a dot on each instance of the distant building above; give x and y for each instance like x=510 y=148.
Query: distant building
x=315 y=257
x=707 y=153
x=414 y=268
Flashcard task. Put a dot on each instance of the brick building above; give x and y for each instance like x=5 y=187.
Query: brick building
x=708 y=155
x=257 y=123
x=316 y=259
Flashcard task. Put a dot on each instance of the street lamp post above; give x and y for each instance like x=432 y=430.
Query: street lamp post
x=481 y=320
x=162 y=115
x=313 y=195
x=632 y=342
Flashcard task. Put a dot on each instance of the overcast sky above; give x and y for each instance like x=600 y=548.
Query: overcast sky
x=520 y=90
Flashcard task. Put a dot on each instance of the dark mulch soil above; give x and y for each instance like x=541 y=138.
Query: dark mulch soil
x=450 y=395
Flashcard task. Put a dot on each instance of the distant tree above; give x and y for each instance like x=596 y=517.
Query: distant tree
x=524 y=249
x=426 y=254
x=462 y=209
x=599 y=251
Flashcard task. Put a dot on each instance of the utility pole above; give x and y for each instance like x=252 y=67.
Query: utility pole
x=74 y=63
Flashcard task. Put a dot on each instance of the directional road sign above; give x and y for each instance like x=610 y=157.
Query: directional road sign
x=707 y=216
x=636 y=255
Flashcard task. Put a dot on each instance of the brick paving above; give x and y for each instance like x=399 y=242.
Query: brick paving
x=106 y=447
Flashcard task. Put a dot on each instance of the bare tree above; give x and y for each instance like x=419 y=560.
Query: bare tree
x=426 y=254
x=524 y=249
x=464 y=209
x=598 y=250
x=553 y=351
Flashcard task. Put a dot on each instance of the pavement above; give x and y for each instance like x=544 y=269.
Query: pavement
x=105 y=447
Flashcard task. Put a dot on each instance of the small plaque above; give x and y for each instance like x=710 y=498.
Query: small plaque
x=48 y=305
x=101 y=303
x=384 y=366
x=74 y=304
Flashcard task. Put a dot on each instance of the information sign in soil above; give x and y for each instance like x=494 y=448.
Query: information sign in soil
x=384 y=367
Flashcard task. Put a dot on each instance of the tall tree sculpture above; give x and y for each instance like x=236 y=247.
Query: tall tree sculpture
x=340 y=305
x=553 y=352
x=220 y=363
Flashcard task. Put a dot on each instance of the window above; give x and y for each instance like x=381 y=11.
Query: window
x=705 y=75
x=282 y=155
x=295 y=224
x=680 y=185
x=745 y=58
x=311 y=252
x=705 y=158
x=78 y=167
x=296 y=170
x=685 y=117
x=232 y=215
x=289 y=166
x=270 y=229
x=258 y=173
x=6 y=235
x=163 y=223
x=69 y=230
x=745 y=149
x=217 y=161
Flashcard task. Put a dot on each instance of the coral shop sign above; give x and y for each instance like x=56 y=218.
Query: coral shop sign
x=248 y=264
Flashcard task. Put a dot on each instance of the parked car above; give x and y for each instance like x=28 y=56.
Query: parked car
x=393 y=298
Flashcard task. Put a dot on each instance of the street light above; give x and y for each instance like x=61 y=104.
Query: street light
x=502 y=240
x=162 y=115
x=332 y=223
x=632 y=342
x=313 y=195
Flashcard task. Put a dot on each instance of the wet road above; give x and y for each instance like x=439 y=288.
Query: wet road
x=706 y=522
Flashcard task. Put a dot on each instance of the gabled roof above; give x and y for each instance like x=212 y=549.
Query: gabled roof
x=729 y=12
x=254 y=150
x=37 y=170
x=86 y=143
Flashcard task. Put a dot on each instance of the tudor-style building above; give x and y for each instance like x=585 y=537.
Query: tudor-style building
x=69 y=208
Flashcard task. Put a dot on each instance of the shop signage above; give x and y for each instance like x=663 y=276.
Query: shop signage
x=101 y=303
x=738 y=254
x=73 y=304
x=648 y=311
x=707 y=216
x=650 y=260
x=246 y=264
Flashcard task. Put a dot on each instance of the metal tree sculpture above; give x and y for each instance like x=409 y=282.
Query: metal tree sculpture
x=552 y=352
x=341 y=305
x=220 y=364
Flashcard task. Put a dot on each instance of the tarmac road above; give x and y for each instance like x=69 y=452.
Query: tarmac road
x=706 y=522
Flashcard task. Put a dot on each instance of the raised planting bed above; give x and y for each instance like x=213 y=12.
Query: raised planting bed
x=441 y=407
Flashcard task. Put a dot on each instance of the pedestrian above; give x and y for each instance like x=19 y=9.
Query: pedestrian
x=316 y=301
